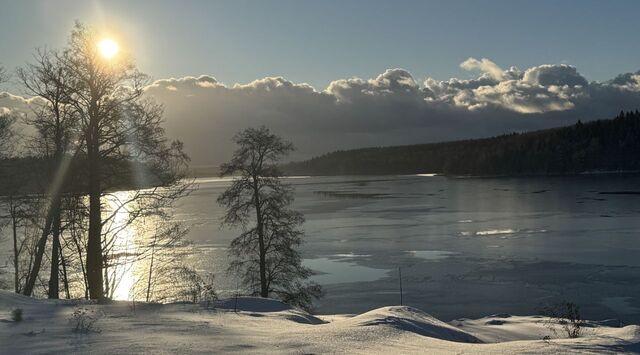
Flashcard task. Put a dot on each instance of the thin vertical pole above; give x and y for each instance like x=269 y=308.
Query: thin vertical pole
x=400 y=274
x=235 y=305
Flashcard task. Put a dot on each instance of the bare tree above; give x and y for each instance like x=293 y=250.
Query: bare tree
x=94 y=120
x=74 y=242
x=54 y=122
x=120 y=129
x=10 y=185
x=15 y=217
x=265 y=254
x=23 y=218
x=6 y=144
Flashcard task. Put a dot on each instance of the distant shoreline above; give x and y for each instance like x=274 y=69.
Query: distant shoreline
x=489 y=176
x=594 y=147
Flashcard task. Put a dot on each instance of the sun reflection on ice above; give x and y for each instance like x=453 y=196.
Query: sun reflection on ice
x=121 y=275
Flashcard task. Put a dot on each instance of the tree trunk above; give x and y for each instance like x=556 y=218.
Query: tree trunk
x=40 y=247
x=76 y=242
x=108 y=284
x=264 y=289
x=52 y=224
x=54 y=278
x=75 y=238
x=65 y=278
x=16 y=253
x=94 y=247
x=94 y=242
x=153 y=253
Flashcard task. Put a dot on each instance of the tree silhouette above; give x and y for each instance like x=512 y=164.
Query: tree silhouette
x=265 y=254
x=118 y=131
x=54 y=122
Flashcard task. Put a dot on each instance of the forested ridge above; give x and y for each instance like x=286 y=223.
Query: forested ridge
x=25 y=175
x=602 y=145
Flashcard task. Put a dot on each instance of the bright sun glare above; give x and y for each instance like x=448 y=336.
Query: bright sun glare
x=108 y=48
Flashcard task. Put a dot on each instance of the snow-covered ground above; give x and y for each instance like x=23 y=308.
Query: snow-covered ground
x=266 y=326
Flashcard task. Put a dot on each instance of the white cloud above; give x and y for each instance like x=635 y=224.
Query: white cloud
x=557 y=74
x=485 y=66
x=391 y=108
x=539 y=89
x=13 y=104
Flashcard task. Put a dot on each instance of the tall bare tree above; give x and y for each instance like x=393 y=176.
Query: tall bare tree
x=22 y=217
x=265 y=254
x=54 y=122
x=121 y=131
x=93 y=118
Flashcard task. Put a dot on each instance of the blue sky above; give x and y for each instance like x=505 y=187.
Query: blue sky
x=320 y=41
x=565 y=53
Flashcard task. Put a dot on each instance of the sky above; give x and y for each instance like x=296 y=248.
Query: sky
x=489 y=45
x=319 y=41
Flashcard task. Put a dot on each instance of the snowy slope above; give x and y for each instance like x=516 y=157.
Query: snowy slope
x=267 y=326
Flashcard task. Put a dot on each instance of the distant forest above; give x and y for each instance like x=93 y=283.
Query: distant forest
x=26 y=176
x=603 y=145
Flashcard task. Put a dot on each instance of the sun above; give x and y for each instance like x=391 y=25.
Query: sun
x=108 y=48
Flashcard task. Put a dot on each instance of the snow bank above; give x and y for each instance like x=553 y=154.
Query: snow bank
x=408 y=319
x=264 y=326
x=503 y=327
x=253 y=304
x=257 y=307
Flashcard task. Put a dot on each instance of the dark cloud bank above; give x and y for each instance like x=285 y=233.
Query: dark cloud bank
x=390 y=109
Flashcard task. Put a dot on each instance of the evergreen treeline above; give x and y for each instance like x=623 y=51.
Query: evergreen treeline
x=603 y=145
x=25 y=176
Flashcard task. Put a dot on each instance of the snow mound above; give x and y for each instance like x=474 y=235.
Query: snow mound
x=499 y=328
x=13 y=300
x=260 y=307
x=10 y=299
x=408 y=319
x=628 y=332
x=253 y=304
x=266 y=326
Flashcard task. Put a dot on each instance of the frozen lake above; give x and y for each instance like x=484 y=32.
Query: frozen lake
x=467 y=247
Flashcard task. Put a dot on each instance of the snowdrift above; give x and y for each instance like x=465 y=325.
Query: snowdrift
x=408 y=319
x=265 y=326
x=258 y=307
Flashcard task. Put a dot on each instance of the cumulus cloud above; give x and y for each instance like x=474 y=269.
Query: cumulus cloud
x=391 y=108
x=18 y=105
x=393 y=83
x=627 y=82
x=484 y=65
x=554 y=75
x=541 y=89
